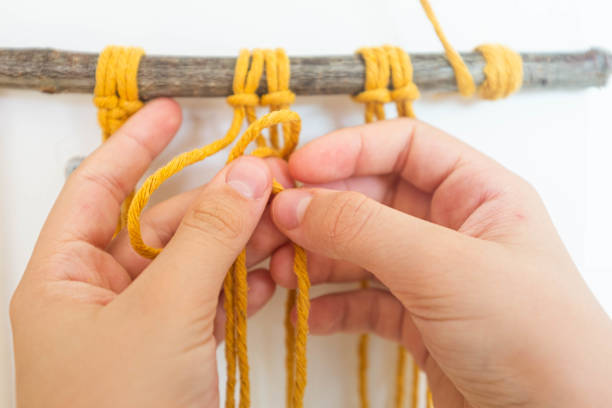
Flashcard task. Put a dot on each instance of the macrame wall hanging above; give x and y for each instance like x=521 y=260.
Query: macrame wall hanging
x=375 y=76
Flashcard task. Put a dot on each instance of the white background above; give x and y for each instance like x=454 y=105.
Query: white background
x=559 y=141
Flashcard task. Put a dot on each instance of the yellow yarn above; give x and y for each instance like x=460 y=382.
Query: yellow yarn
x=244 y=100
x=289 y=345
x=465 y=82
x=248 y=72
x=376 y=92
x=383 y=64
x=279 y=96
x=116 y=96
x=404 y=89
x=296 y=343
x=116 y=89
x=503 y=71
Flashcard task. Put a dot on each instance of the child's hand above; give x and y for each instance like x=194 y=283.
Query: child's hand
x=96 y=325
x=480 y=288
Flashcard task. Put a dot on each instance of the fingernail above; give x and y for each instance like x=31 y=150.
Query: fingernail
x=290 y=207
x=249 y=177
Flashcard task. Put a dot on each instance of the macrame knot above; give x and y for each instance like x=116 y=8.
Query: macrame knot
x=409 y=92
x=376 y=92
x=243 y=100
x=379 y=95
x=106 y=102
x=130 y=107
x=278 y=98
x=116 y=89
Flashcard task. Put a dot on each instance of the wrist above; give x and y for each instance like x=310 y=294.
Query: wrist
x=582 y=368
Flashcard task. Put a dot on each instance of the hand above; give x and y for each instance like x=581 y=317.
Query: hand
x=480 y=288
x=96 y=325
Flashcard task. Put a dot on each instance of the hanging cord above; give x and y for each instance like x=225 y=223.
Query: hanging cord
x=280 y=97
x=403 y=94
x=248 y=71
x=404 y=90
x=296 y=343
x=375 y=95
x=382 y=64
x=116 y=96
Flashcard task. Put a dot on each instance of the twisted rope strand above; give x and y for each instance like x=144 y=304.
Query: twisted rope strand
x=240 y=316
x=300 y=268
x=230 y=344
x=404 y=89
x=376 y=92
x=289 y=347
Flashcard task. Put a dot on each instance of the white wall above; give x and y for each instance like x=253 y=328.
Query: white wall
x=559 y=141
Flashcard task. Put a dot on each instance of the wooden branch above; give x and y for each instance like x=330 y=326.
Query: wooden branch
x=55 y=71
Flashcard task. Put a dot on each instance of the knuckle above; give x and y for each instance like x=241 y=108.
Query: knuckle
x=346 y=218
x=212 y=217
x=107 y=183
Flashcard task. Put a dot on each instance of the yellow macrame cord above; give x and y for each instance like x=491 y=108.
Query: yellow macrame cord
x=503 y=70
x=116 y=96
x=383 y=64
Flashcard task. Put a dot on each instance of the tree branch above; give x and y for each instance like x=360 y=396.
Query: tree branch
x=55 y=71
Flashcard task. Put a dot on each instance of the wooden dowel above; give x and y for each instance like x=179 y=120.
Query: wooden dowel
x=55 y=71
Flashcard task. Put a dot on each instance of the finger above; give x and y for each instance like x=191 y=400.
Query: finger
x=189 y=272
x=366 y=310
x=421 y=154
x=88 y=206
x=387 y=189
x=159 y=223
x=407 y=254
x=457 y=178
x=261 y=289
x=321 y=269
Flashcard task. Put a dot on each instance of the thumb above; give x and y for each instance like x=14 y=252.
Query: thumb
x=191 y=268
x=407 y=254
